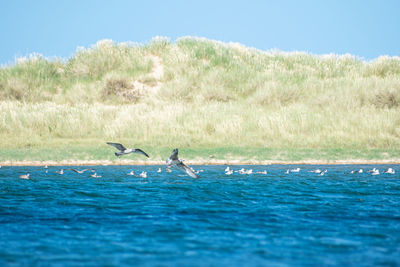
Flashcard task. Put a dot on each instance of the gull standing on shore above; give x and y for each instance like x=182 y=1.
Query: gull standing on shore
x=123 y=150
x=173 y=160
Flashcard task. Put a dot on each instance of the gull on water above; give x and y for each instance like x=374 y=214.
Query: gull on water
x=228 y=172
x=315 y=171
x=131 y=173
x=244 y=171
x=375 y=172
x=390 y=171
x=159 y=170
x=249 y=171
x=123 y=150
x=94 y=175
x=295 y=170
x=174 y=160
x=143 y=174
x=60 y=171
x=25 y=176
x=357 y=171
x=263 y=172
x=241 y=171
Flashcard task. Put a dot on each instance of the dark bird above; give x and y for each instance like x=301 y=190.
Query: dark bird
x=79 y=171
x=123 y=150
x=174 y=160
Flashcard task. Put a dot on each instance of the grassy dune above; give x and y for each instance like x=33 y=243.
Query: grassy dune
x=211 y=99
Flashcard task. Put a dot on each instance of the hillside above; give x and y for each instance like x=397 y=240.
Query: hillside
x=210 y=99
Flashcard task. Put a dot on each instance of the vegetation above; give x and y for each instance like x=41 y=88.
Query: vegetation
x=201 y=96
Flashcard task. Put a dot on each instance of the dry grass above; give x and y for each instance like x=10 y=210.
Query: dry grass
x=211 y=94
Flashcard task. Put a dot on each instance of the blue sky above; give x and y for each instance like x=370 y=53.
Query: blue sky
x=366 y=29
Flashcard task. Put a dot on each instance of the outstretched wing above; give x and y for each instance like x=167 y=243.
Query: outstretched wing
x=139 y=151
x=117 y=146
x=174 y=155
x=187 y=169
x=79 y=171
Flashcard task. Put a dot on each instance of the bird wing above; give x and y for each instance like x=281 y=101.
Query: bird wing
x=117 y=146
x=79 y=171
x=139 y=151
x=174 y=155
x=186 y=169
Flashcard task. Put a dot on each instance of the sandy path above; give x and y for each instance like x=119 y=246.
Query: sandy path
x=157 y=73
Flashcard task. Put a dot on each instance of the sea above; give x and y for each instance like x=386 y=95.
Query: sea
x=249 y=218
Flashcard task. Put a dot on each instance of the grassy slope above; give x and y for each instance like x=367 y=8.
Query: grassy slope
x=214 y=100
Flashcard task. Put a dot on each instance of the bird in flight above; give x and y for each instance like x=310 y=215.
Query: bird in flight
x=79 y=171
x=174 y=160
x=123 y=150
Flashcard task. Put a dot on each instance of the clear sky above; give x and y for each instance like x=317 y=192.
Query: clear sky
x=365 y=28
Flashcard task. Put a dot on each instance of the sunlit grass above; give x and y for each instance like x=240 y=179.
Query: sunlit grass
x=227 y=98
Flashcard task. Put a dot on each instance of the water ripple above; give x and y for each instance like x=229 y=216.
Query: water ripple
x=169 y=219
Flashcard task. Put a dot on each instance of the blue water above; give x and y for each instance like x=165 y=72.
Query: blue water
x=170 y=219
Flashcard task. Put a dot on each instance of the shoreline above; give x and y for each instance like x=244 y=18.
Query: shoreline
x=197 y=162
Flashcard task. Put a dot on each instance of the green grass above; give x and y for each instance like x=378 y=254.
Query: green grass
x=212 y=100
x=102 y=152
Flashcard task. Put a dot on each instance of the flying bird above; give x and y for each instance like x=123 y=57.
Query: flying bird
x=123 y=150
x=174 y=160
x=79 y=171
